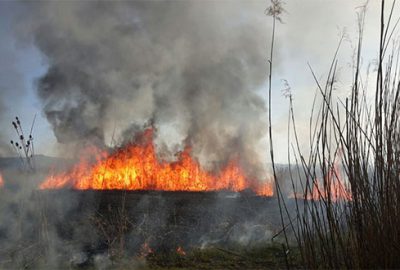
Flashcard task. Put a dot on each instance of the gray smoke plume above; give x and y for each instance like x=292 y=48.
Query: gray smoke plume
x=11 y=89
x=4 y=145
x=192 y=68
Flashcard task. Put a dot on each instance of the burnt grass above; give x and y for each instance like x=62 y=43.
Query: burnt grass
x=217 y=230
x=163 y=220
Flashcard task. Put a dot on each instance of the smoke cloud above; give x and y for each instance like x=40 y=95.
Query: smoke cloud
x=11 y=88
x=190 y=68
x=4 y=147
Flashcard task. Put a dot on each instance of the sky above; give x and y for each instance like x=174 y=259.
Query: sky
x=309 y=34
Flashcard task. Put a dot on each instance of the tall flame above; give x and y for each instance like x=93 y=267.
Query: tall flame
x=136 y=167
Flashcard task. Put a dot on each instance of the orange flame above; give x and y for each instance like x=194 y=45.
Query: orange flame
x=1 y=180
x=334 y=188
x=145 y=250
x=180 y=251
x=136 y=167
x=336 y=191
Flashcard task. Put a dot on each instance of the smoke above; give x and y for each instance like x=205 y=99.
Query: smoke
x=4 y=146
x=191 y=68
x=11 y=88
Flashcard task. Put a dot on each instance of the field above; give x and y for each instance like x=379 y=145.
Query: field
x=188 y=230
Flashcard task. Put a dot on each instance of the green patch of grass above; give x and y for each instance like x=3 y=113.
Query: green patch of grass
x=263 y=257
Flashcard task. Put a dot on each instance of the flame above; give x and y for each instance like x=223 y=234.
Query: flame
x=180 y=251
x=334 y=188
x=136 y=167
x=336 y=191
x=145 y=250
x=1 y=180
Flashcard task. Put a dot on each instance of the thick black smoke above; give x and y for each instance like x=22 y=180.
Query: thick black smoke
x=190 y=67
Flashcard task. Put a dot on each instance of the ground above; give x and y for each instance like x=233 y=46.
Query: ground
x=270 y=256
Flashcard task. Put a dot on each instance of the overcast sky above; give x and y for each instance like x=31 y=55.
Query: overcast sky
x=310 y=33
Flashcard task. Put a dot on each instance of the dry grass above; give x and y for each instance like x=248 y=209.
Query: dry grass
x=359 y=144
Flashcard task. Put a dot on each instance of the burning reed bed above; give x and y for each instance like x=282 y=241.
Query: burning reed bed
x=342 y=212
x=354 y=143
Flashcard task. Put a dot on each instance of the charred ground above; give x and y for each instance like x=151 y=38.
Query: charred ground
x=70 y=228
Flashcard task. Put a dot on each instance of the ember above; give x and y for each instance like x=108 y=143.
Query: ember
x=136 y=167
x=180 y=251
x=145 y=250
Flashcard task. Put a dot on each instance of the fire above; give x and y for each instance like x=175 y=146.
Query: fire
x=334 y=188
x=1 y=180
x=136 y=167
x=145 y=250
x=180 y=251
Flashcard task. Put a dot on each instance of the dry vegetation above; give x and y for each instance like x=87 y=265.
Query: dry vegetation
x=363 y=137
x=354 y=140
